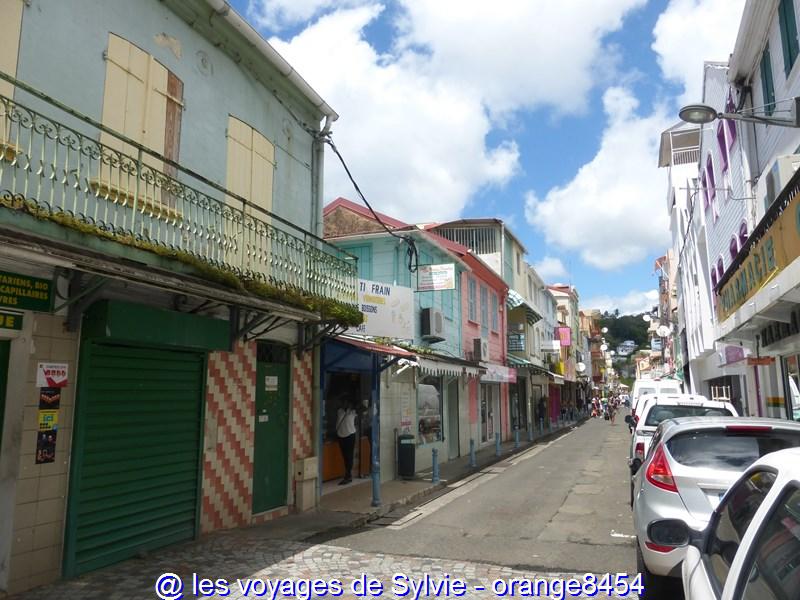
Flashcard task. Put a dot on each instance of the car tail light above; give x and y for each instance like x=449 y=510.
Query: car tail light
x=635 y=420
x=748 y=428
x=639 y=450
x=658 y=472
x=659 y=548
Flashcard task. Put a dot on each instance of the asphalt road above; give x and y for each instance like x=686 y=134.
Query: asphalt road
x=560 y=507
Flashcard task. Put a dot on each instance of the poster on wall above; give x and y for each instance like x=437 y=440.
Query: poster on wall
x=49 y=398
x=388 y=310
x=53 y=375
x=45 y=447
x=565 y=336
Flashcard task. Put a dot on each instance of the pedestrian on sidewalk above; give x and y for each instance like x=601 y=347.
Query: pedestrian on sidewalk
x=346 y=432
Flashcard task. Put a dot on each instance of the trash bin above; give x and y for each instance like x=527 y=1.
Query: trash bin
x=406 y=455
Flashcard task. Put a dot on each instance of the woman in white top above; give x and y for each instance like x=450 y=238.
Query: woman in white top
x=346 y=432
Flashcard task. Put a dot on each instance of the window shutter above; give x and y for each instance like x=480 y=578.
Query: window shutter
x=10 y=27
x=767 y=87
x=251 y=164
x=788 y=28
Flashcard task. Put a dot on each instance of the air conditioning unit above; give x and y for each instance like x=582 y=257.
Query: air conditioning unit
x=773 y=179
x=432 y=325
x=480 y=349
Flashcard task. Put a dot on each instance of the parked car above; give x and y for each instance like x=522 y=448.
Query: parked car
x=656 y=408
x=691 y=465
x=750 y=547
x=647 y=387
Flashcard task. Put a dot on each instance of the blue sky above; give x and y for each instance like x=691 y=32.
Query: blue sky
x=543 y=113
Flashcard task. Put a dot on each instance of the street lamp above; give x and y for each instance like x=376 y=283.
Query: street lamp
x=701 y=114
x=604 y=330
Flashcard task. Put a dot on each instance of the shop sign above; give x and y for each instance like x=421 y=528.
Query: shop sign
x=52 y=375
x=778 y=247
x=433 y=278
x=25 y=293
x=9 y=320
x=565 y=336
x=388 y=310
x=498 y=374
x=733 y=354
x=760 y=361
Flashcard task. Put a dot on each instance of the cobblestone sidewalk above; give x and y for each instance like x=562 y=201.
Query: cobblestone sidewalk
x=245 y=555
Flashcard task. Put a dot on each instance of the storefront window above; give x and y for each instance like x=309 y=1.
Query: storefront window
x=792 y=370
x=429 y=409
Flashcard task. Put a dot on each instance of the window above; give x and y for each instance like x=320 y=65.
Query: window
x=364 y=255
x=788 y=27
x=731 y=520
x=723 y=147
x=720 y=268
x=704 y=187
x=447 y=303
x=792 y=385
x=773 y=567
x=712 y=186
x=714 y=279
x=727 y=450
x=472 y=313
x=495 y=313
x=731 y=124
x=733 y=248
x=429 y=409
x=767 y=87
x=742 y=233
x=484 y=311
x=519 y=268
x=662 y=412
x=425 y=298
x=251 y=164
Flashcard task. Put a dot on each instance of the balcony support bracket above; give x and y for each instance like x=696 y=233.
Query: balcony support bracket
x=81 y=294
x=309 y=336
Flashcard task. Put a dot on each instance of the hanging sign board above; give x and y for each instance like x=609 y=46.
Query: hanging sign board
x=25 y=293
x=51 y=375
x=388 y=310
x=565 y=336
x=433 y=278
x=760 y=361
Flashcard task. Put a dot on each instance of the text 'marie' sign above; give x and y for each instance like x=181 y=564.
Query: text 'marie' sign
x=433 y=278
x=25 y=293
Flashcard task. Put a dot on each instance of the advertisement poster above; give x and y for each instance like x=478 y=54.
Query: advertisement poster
x=565 y=336
x=388 y=310
x=45 y=447
x=48 y=420
x=433 y=278
x=51 y=375
x=49 y=398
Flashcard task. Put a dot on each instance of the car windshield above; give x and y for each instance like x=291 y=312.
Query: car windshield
x=662 y=412
x=728 y=450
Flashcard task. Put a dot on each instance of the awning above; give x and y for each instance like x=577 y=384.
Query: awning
x=556 y=378
x=498 y=373
x=515 y=299
x=375 y=347
x=521 y=363
x=433 y=364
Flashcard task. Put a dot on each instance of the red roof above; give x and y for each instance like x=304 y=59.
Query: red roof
x=363 y=211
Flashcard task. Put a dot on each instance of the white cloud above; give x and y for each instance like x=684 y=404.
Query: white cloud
x=415 y=120
x=551 y=268
x=689 y=32
x=523 y=54
x=612 y=211
x=632 y=303
x=275 y=15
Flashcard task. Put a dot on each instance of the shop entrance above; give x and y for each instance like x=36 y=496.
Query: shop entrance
x=346 y=389
x=490 y=411
x=518 y=399
x=452 y=418
x=271 y=451
x=5 y=350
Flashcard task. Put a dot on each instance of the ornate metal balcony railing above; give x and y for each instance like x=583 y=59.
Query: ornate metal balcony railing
x=77 y=168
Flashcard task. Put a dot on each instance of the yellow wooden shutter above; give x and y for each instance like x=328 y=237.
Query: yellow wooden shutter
x=251 y=164
x=10 y=28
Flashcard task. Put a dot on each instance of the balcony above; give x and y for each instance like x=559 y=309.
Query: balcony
x=53 y=168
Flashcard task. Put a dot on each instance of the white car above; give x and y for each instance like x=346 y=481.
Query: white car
x=660 y=407
x=691 y=464
x=750 y=549
x=646 y=387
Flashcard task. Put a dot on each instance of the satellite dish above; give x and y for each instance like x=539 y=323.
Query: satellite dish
x=646 y=317
x=580 y=367
x=663 y=331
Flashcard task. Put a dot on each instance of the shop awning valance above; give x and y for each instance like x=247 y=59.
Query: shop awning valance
x=521 y=363
x=436 y=365
x=375 y=347
x=498 y=373
x=515 y=299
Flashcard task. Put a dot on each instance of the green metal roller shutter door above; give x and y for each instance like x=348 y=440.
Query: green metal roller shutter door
x=135 y=485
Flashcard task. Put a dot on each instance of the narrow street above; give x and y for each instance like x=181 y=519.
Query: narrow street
x=558 y=509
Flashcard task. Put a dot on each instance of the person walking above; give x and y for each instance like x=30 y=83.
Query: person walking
x=346 y=432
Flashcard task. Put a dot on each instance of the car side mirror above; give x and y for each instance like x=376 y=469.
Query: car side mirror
x=674 y=533
x=629 y=419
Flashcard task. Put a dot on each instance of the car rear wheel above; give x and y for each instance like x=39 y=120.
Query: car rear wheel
x=654 y=586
